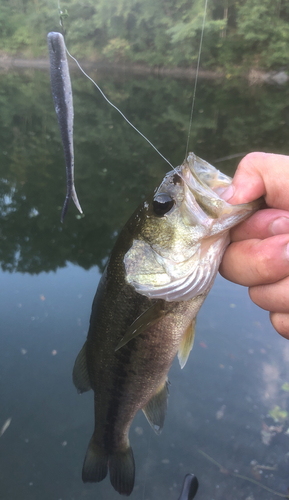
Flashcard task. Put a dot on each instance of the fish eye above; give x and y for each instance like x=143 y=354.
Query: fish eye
x=177 y=179
x=162 y=204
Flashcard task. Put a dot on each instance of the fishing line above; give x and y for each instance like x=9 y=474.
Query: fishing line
x=61 y=14
x=117 y=109
x=64 y=14
x=230 y=157
x=197 y=74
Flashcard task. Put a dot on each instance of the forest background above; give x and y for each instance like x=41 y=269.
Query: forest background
x=166 y=33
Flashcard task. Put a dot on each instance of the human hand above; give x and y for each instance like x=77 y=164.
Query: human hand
x=258 y=256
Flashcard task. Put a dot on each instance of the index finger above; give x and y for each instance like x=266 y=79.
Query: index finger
x=261 y=174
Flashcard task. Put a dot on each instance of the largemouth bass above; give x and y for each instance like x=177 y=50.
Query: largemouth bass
x=63 y=103
x=160 y=271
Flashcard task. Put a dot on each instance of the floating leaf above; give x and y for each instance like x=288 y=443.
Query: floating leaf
x=285 y=387
x=5 y=426
x=278 y=414
x=220 y=412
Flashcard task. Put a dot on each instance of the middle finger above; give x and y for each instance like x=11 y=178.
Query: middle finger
x=261 y=225
x=257 y=262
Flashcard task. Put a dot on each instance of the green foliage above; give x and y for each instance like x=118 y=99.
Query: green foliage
x=165 y=32
x=264 y=27
x=116 y=50
x=277 y=414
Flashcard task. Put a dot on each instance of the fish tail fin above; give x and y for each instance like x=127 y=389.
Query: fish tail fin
x=95 y=463
x=122 y=471
x=75 y=199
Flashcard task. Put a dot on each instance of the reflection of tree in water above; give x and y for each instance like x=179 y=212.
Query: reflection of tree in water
x=115 y=168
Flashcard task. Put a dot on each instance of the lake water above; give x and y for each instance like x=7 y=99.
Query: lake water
x=222 y=404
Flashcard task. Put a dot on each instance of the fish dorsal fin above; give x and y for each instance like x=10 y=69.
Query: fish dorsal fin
x=155 y=410
x=80 y=375
x=187 y=343
x=148 y=318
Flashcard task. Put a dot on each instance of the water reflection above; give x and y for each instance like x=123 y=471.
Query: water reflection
x=115 y=168
x=221 y=400
x=271 y=377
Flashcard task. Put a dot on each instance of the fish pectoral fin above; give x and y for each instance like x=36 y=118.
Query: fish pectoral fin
x=80 y=375
x=187 y=343
x=155 y=410
x=148 y=318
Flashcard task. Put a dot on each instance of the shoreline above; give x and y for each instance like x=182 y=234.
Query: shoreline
x=254 y=76
x=11 y=62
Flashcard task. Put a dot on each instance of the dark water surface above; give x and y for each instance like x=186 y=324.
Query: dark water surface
x=237 y=372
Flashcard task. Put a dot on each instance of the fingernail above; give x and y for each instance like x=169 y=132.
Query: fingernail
x=280 y=226
x=228 y=193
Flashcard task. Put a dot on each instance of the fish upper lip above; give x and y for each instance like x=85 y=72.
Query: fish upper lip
x=221 y=209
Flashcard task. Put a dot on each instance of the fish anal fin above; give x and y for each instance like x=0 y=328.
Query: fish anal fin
x=148 y=318
x=80 y=375
x=95 y=463
x=122 y=471
x=187 y=343
x=156 y=408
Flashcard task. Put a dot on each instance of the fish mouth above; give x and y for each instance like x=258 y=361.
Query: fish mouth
x=206 y=184
x=207 y=175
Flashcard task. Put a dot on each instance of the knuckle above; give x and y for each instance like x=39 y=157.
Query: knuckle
x=263 y=267
x=249 y=162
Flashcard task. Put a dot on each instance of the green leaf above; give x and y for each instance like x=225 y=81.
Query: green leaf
x=277 y=414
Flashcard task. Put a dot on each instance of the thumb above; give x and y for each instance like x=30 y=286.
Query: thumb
x=260 y=174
